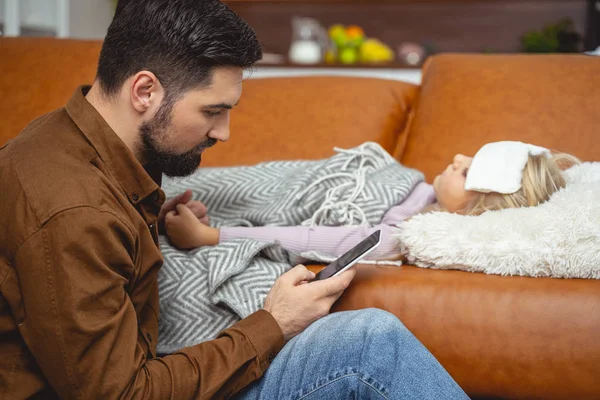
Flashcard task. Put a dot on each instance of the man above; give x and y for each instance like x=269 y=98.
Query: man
x=78 y=241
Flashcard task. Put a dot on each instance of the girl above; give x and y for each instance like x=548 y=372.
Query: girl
x=501 y=175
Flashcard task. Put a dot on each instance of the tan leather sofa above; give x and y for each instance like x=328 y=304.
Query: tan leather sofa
x=499 y=337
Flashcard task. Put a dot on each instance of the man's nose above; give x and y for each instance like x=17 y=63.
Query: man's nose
x=221 y=134
x=220 y=131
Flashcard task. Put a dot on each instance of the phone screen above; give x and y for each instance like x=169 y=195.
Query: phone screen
x=352 y=256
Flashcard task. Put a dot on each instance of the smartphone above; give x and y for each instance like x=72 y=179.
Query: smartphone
x=351 y=257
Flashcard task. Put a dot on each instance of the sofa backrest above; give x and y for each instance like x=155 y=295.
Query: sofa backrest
x=305 y=117
x=40 y=75
x=468 y=100
x=277 y=118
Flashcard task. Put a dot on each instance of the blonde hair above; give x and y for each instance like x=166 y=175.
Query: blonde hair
x=542 y=176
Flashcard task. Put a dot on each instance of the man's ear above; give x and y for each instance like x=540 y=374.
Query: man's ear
x=146 y=92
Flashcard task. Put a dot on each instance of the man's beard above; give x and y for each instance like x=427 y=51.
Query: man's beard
x=171 y=164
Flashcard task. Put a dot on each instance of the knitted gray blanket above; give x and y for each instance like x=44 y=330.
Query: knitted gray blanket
x=206 y=290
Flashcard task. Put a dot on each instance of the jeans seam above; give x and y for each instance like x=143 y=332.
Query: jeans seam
x=326 y=384
x=342 y=377
x=372 y=387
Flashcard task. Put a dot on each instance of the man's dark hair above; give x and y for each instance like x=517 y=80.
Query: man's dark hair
x=180 y=41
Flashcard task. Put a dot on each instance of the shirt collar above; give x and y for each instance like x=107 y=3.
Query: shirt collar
x=136 y=182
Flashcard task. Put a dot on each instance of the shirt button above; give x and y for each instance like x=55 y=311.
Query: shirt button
x=135 y=197
x=271 y=357
x=155 y=196
x=149 y=336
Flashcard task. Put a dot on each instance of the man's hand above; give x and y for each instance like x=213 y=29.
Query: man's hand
x=197 y=208
x=295 y=303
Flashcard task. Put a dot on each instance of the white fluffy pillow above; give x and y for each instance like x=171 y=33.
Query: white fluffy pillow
x=560 y=238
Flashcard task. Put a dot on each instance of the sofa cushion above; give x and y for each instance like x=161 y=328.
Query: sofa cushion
x=40 y=75
x=500 y=337
x=469 y=100
x=304 y=117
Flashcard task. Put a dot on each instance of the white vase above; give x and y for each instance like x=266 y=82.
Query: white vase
x=305 y=52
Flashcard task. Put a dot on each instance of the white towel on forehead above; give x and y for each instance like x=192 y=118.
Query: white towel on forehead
x=498 y=167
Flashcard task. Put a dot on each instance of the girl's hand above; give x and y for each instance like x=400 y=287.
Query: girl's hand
x=197 y=207
x=185 y=230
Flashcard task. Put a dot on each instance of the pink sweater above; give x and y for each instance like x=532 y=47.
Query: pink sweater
x=336 y=240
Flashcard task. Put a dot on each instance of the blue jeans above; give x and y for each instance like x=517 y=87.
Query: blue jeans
x=366 y=354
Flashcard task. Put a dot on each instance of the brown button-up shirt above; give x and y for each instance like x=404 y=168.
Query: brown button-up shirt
x=78 y=275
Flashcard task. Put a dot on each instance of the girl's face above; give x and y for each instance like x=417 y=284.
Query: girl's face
x=449 y=186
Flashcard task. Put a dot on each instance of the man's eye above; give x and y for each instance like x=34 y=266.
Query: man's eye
x=212 y=113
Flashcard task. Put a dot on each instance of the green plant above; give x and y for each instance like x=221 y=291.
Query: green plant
x=558 y=37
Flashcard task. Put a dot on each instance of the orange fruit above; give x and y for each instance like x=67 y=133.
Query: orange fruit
x=354 y=31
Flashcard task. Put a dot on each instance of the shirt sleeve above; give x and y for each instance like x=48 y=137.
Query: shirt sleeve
x=330 y=240
x=420 y=197
x=81 y=325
